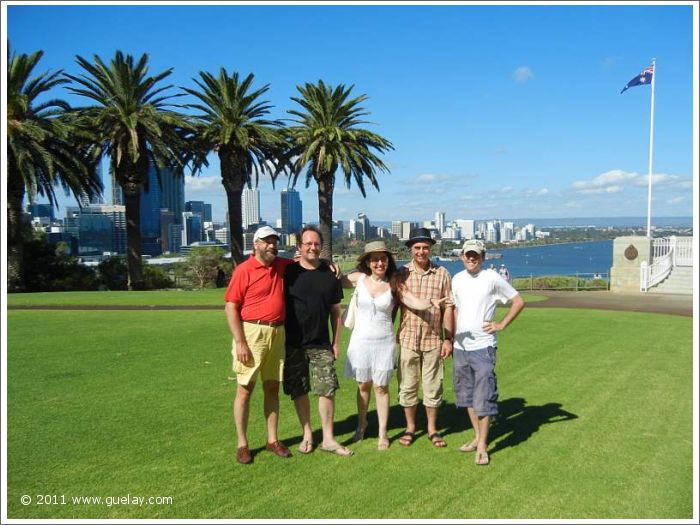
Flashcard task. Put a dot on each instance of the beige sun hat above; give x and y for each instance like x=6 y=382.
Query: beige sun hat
x=373 y=247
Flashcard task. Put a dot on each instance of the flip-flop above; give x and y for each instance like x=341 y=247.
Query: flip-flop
x=407 y=438
x=436 y=440
x=468 y=447
x=482 y=459
x=336 y=449
x=306 y=447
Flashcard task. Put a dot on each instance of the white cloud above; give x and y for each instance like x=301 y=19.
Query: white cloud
x=543 y=191
x=202 y=183
x=507 y=189
x=523 y=74
x=430 y=178
x=601 y=183
x=675 y=200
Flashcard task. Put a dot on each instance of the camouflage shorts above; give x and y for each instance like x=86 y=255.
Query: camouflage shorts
x=307 y=368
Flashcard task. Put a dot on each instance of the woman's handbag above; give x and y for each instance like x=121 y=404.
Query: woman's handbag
x=350 y=312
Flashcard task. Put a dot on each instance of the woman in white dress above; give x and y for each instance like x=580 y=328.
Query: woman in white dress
x=370 y=355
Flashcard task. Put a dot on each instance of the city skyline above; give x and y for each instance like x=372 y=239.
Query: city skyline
x=522 y=112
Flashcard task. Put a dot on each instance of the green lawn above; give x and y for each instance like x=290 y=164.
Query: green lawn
x=596 y=422
x=206 y=297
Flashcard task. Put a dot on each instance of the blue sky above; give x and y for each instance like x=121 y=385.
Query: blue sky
x=494 y=111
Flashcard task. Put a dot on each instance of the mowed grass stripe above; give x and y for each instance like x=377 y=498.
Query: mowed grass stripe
x=110 y=403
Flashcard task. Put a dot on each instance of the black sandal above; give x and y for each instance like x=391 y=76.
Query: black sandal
x=407 y=438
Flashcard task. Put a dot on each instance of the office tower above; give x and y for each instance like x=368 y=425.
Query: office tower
x=383 y=233
x=196 y=207
x=508 y=232
x=250 y=206
x=337 y=229
x=440 y=221
x=493 y=231
x=248 y=242
x=95 y=234
x=167 y=219
x=172 y=191
x=364 y=231
x=41 y=210
x=222 y=236
x=117 y=191
x=98 y=228
x=83 y=198
x=356 y=230
x=467 y=228
x=290 y=211
x=396 y=228
x=191 y=228
x=150 y=206
x=406 y=228
x=175 y=237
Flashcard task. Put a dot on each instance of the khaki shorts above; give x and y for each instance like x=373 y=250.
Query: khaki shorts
x=415 y=368
x=266 y=343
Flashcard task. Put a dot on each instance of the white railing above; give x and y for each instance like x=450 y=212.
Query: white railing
x=666 y=253
x=683 y=251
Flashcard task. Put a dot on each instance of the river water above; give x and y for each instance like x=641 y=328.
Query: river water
x=555 y=259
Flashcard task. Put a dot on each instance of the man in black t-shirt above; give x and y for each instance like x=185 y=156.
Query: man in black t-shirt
x=312 y=294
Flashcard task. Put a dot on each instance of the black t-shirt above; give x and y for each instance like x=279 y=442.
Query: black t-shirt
x=308 y=296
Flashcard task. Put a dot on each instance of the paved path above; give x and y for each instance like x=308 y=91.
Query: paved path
x=605 y=300
x=601 y=300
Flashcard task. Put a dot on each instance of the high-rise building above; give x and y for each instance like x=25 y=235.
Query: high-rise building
x=364 y=231
x=98 y=228
x=250 y=206
x=150 y=206
x=467 y=228
x=291 y=211
x=440 y=221
x=41 y=210
x=191 y=228
x=172 y=191
x=167 y=219
x=83 y=198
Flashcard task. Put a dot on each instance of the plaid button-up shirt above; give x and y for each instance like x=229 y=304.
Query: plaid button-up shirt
x=422 y=330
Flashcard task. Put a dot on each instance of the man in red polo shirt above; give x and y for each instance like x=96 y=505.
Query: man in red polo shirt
x=255 y=312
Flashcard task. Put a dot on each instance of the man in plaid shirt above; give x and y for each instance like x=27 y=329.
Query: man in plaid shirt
x=425 y=337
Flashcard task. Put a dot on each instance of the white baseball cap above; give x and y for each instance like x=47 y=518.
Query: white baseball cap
x=473 y=245
x=265 y=231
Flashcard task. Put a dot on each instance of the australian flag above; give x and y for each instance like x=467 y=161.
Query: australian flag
x=642 y=79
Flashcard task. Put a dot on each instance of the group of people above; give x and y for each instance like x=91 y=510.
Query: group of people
x=279 y=309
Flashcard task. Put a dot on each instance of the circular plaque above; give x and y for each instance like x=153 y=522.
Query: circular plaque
x=631 y=253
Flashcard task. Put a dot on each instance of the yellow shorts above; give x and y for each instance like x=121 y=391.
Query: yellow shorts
x=266 y=343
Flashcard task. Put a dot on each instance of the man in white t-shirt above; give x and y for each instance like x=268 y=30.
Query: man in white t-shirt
x=475 y=292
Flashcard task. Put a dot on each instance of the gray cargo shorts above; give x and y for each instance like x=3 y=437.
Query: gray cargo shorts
x=475 y=380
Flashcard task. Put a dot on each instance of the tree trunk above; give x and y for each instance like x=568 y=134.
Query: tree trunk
x=15 y=256
x=131 y=175
x=132 y=202
x=325 y=214
x=233 y=177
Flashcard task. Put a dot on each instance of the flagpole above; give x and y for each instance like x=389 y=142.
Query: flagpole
x=651 y=145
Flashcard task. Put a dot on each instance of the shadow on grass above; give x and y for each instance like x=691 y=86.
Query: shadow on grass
x=516 y=422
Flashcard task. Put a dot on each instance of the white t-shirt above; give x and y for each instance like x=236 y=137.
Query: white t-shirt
x=475 y=298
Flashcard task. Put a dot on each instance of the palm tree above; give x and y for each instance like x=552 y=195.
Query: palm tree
x=232 y=123
x=326 y=137
x=130 y=123
x=43 y=151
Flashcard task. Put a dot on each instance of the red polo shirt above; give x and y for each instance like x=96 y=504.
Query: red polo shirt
x=258 y=289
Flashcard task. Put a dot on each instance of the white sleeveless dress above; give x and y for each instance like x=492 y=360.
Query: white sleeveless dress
x=370 y=355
